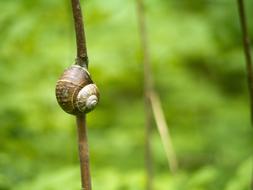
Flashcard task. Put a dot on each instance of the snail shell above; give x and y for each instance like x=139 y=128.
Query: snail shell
x=75 y=91
x=87 y=98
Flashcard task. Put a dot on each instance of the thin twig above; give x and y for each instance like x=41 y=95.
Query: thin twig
x=82 y=56
x=152 y=102
x=148 y=150
x=147 y=88
x=83 y=152
x=82 y=60
x=247 y=52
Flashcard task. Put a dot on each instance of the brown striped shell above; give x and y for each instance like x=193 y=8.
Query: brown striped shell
x=75 y=91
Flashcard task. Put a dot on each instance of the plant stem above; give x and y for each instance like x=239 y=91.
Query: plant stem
x=147 y=89
x=164 y=131
x=152 y=103
x=82 y=60
x=148 y=150
x=247 y=52
x=82 y=56
x=83 y=152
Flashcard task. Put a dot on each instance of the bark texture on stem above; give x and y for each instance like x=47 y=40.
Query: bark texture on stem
x=82 y=56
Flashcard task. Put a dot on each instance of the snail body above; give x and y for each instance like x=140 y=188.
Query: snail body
x=75 y=91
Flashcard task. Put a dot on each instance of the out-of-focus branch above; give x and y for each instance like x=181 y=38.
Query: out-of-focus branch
x=147 y=89
x=164 y=131
x=247 y=52
x=152 y=102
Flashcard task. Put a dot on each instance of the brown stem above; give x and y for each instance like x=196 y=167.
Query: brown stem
x=82 y=56
x=147 y=89
x=82 y=60
x=246 y=44
x=83 y=152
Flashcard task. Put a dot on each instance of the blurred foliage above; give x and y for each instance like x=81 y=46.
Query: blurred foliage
x=199 y=71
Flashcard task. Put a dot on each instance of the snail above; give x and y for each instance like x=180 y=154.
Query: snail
x=75 y=91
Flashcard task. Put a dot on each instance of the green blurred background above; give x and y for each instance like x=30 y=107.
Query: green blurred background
x=199 y=72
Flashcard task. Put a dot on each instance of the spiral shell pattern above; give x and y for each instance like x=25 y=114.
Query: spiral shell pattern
x=68 y=87
x=87 y=98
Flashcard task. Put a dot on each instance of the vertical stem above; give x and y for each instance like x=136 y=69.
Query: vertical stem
x=247 y=52
x=83 y=152
x=82 y=56
x=144 y=45
x=246 y=44
x=82 y=60
x=152 y=103
x=147 y=90
x=148 y=151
